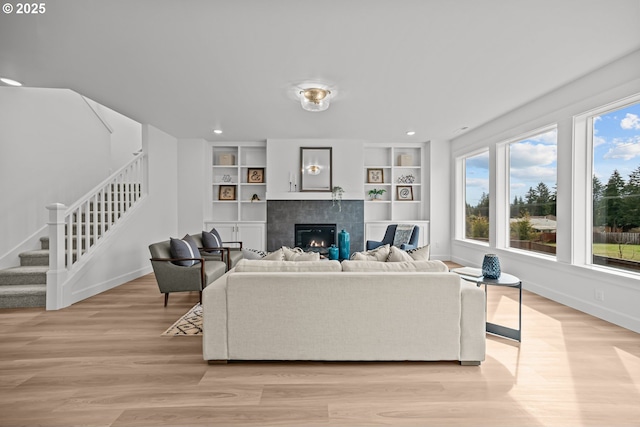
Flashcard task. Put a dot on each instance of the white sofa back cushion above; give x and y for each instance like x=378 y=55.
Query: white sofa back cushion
x=435 y=266
x=262 y=266
x=344 y=316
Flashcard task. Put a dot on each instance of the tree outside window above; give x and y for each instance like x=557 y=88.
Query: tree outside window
x=616 y=188
x=477 y=197
x=532 y=191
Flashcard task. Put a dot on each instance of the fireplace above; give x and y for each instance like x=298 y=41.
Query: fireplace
x=283 y=215
x=315 y=237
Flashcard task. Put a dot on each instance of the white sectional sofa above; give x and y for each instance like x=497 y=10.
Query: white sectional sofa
x=354 y=310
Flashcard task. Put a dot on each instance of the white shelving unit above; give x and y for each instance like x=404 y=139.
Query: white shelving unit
x=397 y=163
x=243 y=212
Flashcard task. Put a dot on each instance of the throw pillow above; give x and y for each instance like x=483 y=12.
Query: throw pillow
x=419 y=254
x=253 y=253
x=277 y=255
x=398 y=255
x=381 y=253
x=184 y=248
x=297 y=254
x=211 y=239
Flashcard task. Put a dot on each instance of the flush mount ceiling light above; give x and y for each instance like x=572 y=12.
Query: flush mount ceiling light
x=315 y=99
x=10 y=82
x=313 y=169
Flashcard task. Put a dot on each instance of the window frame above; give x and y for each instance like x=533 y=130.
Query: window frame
x=461 y=196
x=582 y=185
x=503 y=178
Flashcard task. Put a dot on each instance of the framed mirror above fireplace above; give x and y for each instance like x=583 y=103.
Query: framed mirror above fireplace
x=316 y=169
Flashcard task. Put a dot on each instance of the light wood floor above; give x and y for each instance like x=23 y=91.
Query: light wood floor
x=102 y=362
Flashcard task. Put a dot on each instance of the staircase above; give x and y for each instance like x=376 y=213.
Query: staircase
x=25 y=286
x=80 y=227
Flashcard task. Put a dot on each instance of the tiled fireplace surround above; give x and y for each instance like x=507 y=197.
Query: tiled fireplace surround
x=282 y=215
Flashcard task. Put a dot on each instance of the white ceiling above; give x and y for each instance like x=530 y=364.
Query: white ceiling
x=431 y=66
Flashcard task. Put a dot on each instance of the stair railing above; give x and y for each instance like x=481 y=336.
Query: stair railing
x=75 y=231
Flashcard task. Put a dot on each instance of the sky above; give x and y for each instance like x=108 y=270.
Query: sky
x=533 y=160
x=617 y=142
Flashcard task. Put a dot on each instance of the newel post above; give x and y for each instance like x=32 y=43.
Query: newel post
x=57 y=272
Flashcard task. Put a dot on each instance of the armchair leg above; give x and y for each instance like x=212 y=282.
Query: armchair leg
x=200 y=293
x=166 y=298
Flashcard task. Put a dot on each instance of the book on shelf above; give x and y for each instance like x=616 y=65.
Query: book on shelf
x=476 y=273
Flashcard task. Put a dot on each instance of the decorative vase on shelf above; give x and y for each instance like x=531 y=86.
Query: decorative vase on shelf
x=491 y=266
x=344 y=244
x=333 y=252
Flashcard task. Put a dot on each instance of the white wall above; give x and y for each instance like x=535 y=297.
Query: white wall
x=192 y=194
x=124 y=254
x=52 y=149
x=557 y=279
x=283 y=157
x=439 y=191
x=126 y=134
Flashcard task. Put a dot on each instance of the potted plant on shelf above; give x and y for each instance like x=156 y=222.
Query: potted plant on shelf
x=336 y=196
x=375 y=193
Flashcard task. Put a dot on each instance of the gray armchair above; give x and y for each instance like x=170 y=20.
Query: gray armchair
x=176 y=278
x=389 y=237
x=230 y=254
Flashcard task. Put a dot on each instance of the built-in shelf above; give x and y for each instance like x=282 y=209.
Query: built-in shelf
x=394 y=164
x=230 y=166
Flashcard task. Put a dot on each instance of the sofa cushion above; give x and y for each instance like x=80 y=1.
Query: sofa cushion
x=184 y=248
x=212 y=239
x=419 y=254
x=381 y=253
x=435 y=266
x=261 y=266
x=398 y=255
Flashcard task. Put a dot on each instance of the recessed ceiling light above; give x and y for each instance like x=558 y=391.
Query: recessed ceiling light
x=10 y=82
x=411 y=133
x=464 y=128
x=217 y=131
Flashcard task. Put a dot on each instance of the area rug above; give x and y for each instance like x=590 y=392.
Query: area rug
x=188 y=325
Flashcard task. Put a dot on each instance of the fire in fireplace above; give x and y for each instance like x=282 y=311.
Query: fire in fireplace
x=315 y=237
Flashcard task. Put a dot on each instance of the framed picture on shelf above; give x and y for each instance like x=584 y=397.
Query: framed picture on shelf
x=405 y=192
x=255 y=175
x=227 y=192
x=375 y=176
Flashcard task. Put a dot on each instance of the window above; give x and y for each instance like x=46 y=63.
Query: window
x=476 y=189
x=532 y=192
x=615 y=138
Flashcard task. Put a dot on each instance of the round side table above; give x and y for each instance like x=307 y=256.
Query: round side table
x=504 y=280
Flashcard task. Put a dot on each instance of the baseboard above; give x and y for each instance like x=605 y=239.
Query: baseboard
x=585 y=306
x=98 y=288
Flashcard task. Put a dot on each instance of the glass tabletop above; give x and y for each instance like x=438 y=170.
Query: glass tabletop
x=504 y=280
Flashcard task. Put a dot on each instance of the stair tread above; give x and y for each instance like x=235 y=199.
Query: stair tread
x=37 y=252
x=27 y=269
x=6 y=290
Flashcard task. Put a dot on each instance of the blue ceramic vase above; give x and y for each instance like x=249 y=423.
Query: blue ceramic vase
x=491 y=266
x=343 y=244
x=333 y=252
